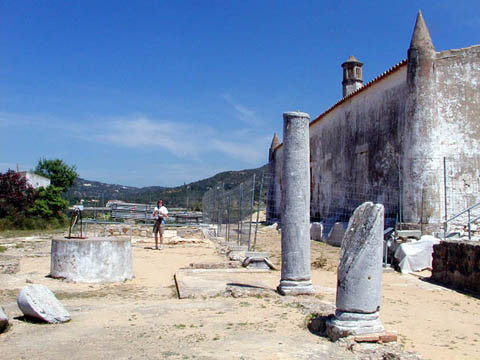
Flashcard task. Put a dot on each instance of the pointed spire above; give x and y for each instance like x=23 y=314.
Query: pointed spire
x=274 y=145
x=421 y=36
x=275 y=141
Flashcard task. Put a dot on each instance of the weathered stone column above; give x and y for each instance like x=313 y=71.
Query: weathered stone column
x=359 y=278
x=295 y=214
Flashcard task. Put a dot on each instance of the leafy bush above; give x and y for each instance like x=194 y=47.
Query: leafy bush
x=32 y=223
x=24 y=208
x=16 y=195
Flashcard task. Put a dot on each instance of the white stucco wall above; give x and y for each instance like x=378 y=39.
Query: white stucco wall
x=35 y=180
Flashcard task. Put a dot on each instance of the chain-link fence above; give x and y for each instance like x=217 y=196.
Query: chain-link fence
x=430 y=191
x=238 y=211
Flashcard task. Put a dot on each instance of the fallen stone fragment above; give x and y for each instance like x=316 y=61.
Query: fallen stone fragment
x=216 y=265
x=39 y=302
x=377 y=338
x=3 y=321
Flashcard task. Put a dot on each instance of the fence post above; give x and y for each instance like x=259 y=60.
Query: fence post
x=400 y=193
x=258 y=211
x=228 y=217
x=215 y=216
x=469 y=233
x=239 y=235
x=220 y=211
x=251 y=212
x=445 y=227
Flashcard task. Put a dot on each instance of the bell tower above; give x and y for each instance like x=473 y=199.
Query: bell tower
x=352 y=75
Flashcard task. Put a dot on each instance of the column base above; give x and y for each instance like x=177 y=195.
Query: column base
x=300 y=287
x=346 y=323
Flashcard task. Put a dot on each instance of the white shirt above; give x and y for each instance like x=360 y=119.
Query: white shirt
x=160 y=213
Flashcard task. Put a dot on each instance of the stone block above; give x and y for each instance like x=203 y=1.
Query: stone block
x=336 y=234
x=39 y=302
x=254 y=259
x=316 y=231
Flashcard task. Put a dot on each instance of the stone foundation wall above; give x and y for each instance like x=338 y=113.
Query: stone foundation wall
x=457 y=264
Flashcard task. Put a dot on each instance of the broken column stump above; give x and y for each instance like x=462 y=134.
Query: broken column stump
x=296 y=270
x=359 y=278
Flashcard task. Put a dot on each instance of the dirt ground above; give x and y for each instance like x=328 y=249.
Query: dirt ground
x=142 y=318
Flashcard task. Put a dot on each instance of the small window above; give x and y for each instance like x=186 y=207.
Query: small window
x=358 y=72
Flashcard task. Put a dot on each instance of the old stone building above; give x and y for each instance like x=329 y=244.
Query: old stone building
x=408 y=139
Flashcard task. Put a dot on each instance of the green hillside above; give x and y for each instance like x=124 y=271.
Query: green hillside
x=188 y=195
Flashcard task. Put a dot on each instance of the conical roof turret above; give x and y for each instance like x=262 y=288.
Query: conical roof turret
x=275 y=141
x=421 y=38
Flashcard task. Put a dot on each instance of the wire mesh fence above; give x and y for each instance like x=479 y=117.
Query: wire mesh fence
x=433 y=190
x=237 y=212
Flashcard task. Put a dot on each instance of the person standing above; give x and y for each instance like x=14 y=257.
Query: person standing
x=160 y=214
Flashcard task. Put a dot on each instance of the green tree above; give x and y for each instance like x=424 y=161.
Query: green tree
x=60 y=174
x=49 y=203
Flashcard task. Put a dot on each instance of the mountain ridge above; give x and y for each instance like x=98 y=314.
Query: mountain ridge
x=96 y=193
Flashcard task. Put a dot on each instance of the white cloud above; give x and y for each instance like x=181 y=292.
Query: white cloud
x=243 y=113
x=197 y=149
x=183 y=139
x=252 y=150
x=144 y=132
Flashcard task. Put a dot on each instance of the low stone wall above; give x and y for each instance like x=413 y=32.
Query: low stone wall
x=120 y=230
x=457 y=264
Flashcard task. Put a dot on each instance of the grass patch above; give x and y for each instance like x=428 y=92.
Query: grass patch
x=27 y=233
x=2 y=248
x=8 y=295
x=61 y=295
x=320 y=262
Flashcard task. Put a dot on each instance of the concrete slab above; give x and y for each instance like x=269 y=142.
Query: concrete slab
x=193 y=283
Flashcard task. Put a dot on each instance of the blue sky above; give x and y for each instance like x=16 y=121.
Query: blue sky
x=145 y=93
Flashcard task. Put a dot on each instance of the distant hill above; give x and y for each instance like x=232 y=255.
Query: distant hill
x=188 y=195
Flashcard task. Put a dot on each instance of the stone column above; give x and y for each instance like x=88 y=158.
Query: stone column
x=295 y=214
x=359 y=278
